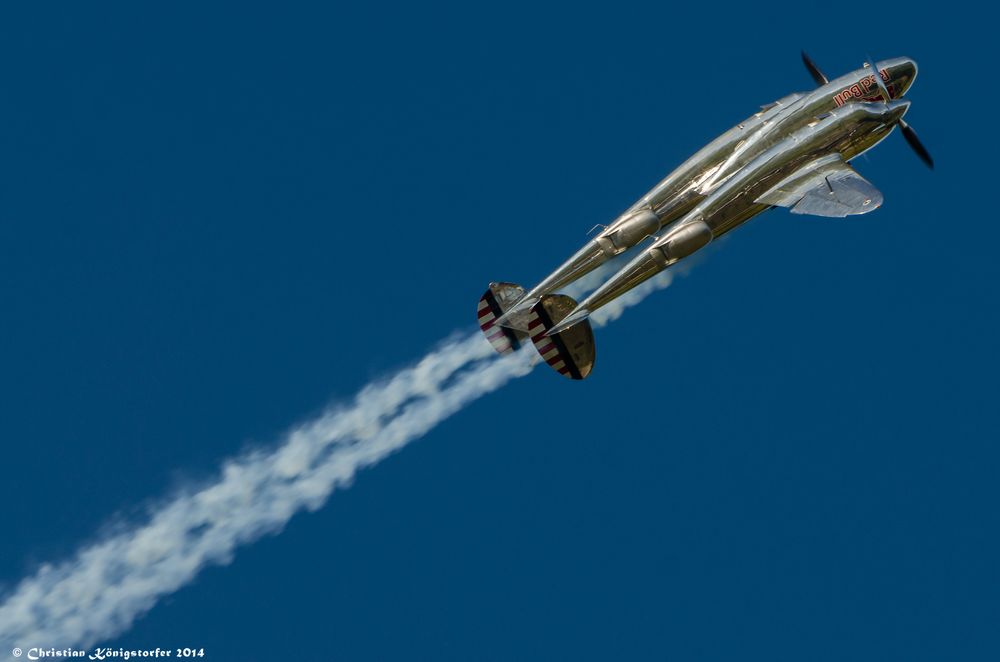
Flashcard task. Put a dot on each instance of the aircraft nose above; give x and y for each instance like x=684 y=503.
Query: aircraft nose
x=902 y=73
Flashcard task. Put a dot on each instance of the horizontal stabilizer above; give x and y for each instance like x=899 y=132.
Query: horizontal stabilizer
x=570 y=352
x=494 y=302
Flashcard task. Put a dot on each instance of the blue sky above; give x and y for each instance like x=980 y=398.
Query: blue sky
x=217 y=220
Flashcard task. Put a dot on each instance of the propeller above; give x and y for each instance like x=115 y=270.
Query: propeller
x=915 y=144
x=814 y=71
x=908 y=133
x=883 y=90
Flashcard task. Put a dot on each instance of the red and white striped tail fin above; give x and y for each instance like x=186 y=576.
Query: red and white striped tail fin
x=571 y=352
x=494 y=303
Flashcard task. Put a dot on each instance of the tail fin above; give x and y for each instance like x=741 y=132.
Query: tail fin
x=494 y=303
x=570 y=352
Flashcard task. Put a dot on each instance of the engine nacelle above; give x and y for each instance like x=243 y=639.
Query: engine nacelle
x=684 y=241
x=629 y=232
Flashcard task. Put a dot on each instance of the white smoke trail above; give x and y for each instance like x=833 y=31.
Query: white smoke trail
x=108 y=584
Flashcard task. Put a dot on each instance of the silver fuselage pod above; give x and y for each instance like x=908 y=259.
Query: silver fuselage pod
x=843 y=133
x=685 y=187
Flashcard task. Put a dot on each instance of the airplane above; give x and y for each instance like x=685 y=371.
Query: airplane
x=793 y=153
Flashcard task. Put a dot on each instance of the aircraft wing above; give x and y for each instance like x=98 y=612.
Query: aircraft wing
x=825 y=187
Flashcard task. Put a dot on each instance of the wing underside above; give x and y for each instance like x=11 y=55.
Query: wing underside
x=825 y=187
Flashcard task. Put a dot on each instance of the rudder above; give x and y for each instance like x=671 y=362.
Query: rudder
x=571 y=353
x=494 y=302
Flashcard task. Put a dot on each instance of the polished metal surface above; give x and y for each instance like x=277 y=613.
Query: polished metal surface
x=843 y=133
x=793 y=153
x=709 y=168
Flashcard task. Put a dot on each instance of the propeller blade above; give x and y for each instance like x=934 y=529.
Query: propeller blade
x=918 y=147
x=883 y=90
x=814 y=71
